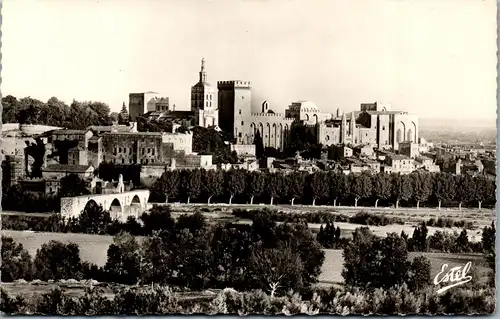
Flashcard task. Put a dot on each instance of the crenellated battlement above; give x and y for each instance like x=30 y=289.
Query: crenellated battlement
x=279 y=116
x=237 y=84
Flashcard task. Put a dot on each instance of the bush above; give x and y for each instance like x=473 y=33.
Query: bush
x=158 y=218
x=449 y=223
x=364 y=218
x=419 y=273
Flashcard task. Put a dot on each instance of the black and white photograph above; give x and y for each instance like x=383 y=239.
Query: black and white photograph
x=248 y=157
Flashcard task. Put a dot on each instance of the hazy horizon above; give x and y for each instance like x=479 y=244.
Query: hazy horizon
x=436 y=59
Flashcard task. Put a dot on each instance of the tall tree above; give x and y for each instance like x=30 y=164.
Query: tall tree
x=296 y=183
x=318 y=186
x=123 y=116
x=275 y=185
x=235 y=183
x=29 y=110
x=94 y=219
x=444 y=188
x=485 y=190
x=16 y=261
x=213 y=183
x=360 y=186
x=275 y=270
x=422 y=187
x=169 y=184
x=190 y=183
x=259 y=145
x=10 y=109
x=465 y=189
x=56 y=260
x=381 y=187
x=54 y=112
x=401 y=188
x=255 y=184
x=338 y=186
x=158 y=218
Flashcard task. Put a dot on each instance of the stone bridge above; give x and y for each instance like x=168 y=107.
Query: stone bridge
x=120 y=205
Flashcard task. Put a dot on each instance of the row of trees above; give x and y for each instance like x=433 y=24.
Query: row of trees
x=324 y=187
x=54 y=112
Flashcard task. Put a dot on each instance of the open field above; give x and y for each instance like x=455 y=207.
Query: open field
x=409 y=215
x=93 y=248
x=77 y=289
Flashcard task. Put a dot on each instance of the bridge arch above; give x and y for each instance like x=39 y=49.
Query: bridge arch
x=136 y=201
x=116 y=206
x=89 y=204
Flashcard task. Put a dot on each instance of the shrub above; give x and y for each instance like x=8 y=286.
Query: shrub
x=158 y=218
x=160 y=301
x=419 y=273
x=12 y=306
x=364 y=218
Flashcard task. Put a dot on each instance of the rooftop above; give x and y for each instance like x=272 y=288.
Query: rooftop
x=76 y=148
x=64 y=132
x=67 y=168
x=135 y=133
x=398 y=157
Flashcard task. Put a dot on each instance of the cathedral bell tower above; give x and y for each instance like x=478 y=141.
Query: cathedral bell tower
x=204 y=101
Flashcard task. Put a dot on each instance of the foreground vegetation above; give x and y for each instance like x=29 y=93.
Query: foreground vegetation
x=161 y=301
x=368 y=288
x=265 y=260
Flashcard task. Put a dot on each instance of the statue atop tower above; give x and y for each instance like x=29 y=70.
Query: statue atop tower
x=203 y=74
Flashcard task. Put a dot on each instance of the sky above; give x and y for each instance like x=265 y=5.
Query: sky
x=435 y=59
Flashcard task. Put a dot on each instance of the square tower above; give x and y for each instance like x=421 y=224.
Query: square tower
x=235 y=100
x=142 y=103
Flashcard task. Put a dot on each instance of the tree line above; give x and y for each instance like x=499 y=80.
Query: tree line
x=324 y=187
x=78 y=115
x=95 y=220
